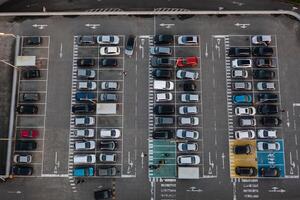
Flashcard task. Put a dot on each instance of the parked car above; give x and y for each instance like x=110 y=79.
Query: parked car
x=108 y=39
x=108 y=62
x=242 y=85
x=267 y=134
x=86 y=85
x=239 y=52
x=241 y=63
x=163 y=97
x=262 y=86
x=187 y=61
x=164 y=121
x=244 y=134
x=84 y=158
x=242 y=149
x=29 y=97
x=22 y=158
x=107 y=171
x=187 y=146
x=163 y=39
x=22 y=170
x=267 y=98
x=86 y=62
x=186 y=74
x=164 y=109
x=84 y=133
x=188 y=121
x=32 y=73
x=33 y=40
x=110 y=51
x=239 y=73
x=184 y=110
x=246 y=122
x=84 y=108
x=25 y=145
x=29 y=133
x=109 y=85
x=264 y=62
x=188 y=160
x=163 y=85
x=161 y=62
x=269 y=172
x=242 y=99
x=186 y=97
x=83 y=171
x=85 y=145
x=189 y=86
x=188 y=40
x=130 y=45
x=112 y=133
x=264 y=74
x=262 y=51
x=108 y=157
x=163 y=134
x=162 y=74
x=85 y=96
x=84 y=121
x=261 y=39
x=246 y=171
x=244 y=111
x=160 y=51
x=270 y=121
x=108 y=145
x=108 y=97
x=27 y=109
x=268 y=146
x=86 y=73
x=187 y=134
x=267 y=109
x=86 y=40
x=103 y=194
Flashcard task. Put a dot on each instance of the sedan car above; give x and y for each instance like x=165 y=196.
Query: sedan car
x=188 y=40
x=86 y=85
x=263 y=74
x=261 y=39
x=188 y=160
x=246 y=171
x=244 y=134
x=185 y=74
x=109 y=85
x=242 y=149
x=262 y=51
x=189 y=86
x=189 y=98
x=108 y=97
x=262 y=86
x=32 y=73
x=164 y=109
x=84 y=159
x=187 y=110
x=242 y=98
x=244 y=111
x=163 y=97
x=267 y=98
x=247 y=122
x=85 y=145
x=22 y=158
x=25 y=145
x=108 y=157
x=269 y=171
x=263 y=62
x=110 y=51
x=188 y=121
x=108 y=62
x=187 y=134
x=162 y=74
x=108 y=145
x=164 y=121
x=160 y=51
x=242 y=85
x=22 y=170
x=84 y=133
x=239 y=52
x=86 y=62
x=239 y=73
x=187 y=146
x=268 y=146
x=108 y=39
x=85 y=96
x=241 y=63
x=29 y=97
x=163 y=134
x=130 y=45
x=32 y=40
x=267 y=109
x=270 y=121
x=112 y=133
x=187 y=61
x=161 y=62
x=103 y=194
x=267 y=134
x=84 y=121
x=163 y=39
x=29 y=133
x=83 y=108
x=163 y=85
x=27 y=109
x=86 y=40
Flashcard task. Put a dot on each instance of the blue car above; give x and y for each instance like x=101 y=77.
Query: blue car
x=242 y=98
x=83 y=171
x=85 y=96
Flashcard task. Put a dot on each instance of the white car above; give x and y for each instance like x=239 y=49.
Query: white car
x=268 y=146
x=22 y=158
x=261 y=39
x=187 y=134
x=108 y=39
x=192 y=121
x=109 y=85
x=163 y=85
x=111 y=133
x=108 y=157
x=188 y=160
x=87 y=133
x=266 y=134
x=245 y=111
x=265 y=86
x=188 y=40
x=244 y=134
x=239 y=73
x=188 y=110
x=110 y=51
x=189 y=98
x=241 y=63
x=86 y=85
x=187 y=146
x=84 y=159
x=185 y=74
x=84 y=121
x=85 y=145
x=163 y=97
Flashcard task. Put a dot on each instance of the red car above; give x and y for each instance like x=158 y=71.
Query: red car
x=187 y=62
x=29 y=133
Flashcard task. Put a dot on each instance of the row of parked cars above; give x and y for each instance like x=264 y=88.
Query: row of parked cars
x=163 y=74
x=266 y=101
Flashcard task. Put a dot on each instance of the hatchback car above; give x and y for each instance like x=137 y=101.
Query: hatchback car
x=188 y=121
x=30 y=97
x=185 y=74
x=163 y=39
x=244 y=111
x=33 y=40
x=242 y=85
x=84 y=121
x=86 y=73
x=162 y=74
x=86 y=62
x=267 y=109
x=108 y=157
x=164 y=109
x=109 y=85
x=261 y=39
x=107 y=145
x=29 y=133
x=183 y=110
x=263 y=74
x=187 y=134
x=244 y=134
x=187 y=146
x=189 y=98
x=27 y=109
x=85 y=96
x=83 y=108
x=262 y=86
x=246 y=171
x=263 y=62
x=32 y=73
x=108 y=62
x=267 y=98
x=160 y=51
x=164 y=121
x=86 y=40
x=84 y=133
x=187 y=40
x=108 y=39
x=112 y=133
x=85 y=145
x=163 y=134
x=110 y=51
x=241 y=63
x=267 y=134
x=262 y=51
x=239 y=52
x=269 y=172
x=161 y=62
x=22 y=170
x=25 y=145
x=242 y=149
x=130 y=45
x=242 y=99
x=270 y=121
x=163 y=97
x=246 y=122
x=188 y=160
x=189 y=86
x=86 y=85
x=84 y=158
x=268 y=146
x=22 y=158
x=187 y=61
x=108 y=97
x=239 y=73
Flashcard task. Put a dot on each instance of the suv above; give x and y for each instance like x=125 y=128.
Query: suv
x=164 y=109
x=161 y=62
x=27 y=109
x=267 y=109
x=163 y=39
x=246 y=171
x=86 y=73
x=267 y=98
x=241 y=86
x=163 y=85
x=83 y=108
x=84 y=121
x=108 y=145
x=160 y=51
x=26 y=145
x=32 y=73
x=108 y=62
x=108 y=171
x=108 y=97
x=270 y=121
x=130 y=45
x=247 y=122
x=263 y=74
x=265 y=86
x=163 y=134
x=164 y=121
x=241 y=63
x=242 y=149
x=263 y=62
x=239 y=52
x=162 y=74
x=262 y=51
x=30 y=97
x=86 y=62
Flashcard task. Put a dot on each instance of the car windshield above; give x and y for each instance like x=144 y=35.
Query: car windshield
x=259 y=38
x=87 y=145
x=89 y=158
x=113 y=132
x=188 y=39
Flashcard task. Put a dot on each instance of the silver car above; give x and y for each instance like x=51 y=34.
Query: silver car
x=268 y=146
x=265 y=86
x=188 y=110
x=187 y=134
x=188 y=121
x=85 y=145
x=111 y=133
x=187 y=146
x=87 y=133
x=108 y=157
x=109 y=85
x=188 y=40
x=189 y=97
x=22 y=158
x=185 y=74
x=108 y=39
x=161 y=51
x=266 y=134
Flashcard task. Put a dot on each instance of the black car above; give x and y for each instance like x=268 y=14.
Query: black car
x=22 y=170
x=164 y=121
x=270 y=121
x=108 y=97
x=267 y=109
x=108 y=145
x=86 y=62
x=30 y=97
x=86 y=40
x=242 y=149
x=27 y=109
x=262 y=51
x=83 y=108
x=246 y=171
x=163 y=134
x=163 y=39
x=161 y=62
x=162 y=74
x=239 y=52
x=269 y=172
x=263 y=62
x=130 y=45
x=164 y=109
x=263 y=74
x=267 y=98
x=189 y=86
x=34 y=40
x=103 y=194
x=32 y=73
x=108 y=62
x=26 y=145
x=107 y=171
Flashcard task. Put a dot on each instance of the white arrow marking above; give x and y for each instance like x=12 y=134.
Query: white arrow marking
x=206 y=53
x=166 y=25
x=142 y=156
x=142 y=48
x=223 y=160
x=14 y=192
x=237 y=3
x=60 y=52
x=242 y=25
